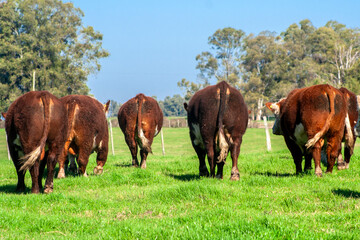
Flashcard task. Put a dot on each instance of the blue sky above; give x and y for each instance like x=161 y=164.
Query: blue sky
x=153 y=44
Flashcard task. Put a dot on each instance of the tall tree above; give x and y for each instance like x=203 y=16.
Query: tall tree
x=45 y=41
x=221 y=63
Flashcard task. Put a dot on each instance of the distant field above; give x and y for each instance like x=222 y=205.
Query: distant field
x=169 y=201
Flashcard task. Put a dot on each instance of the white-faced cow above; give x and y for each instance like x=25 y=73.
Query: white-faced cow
x=88 y=132
x=217 y=119
x=34 y=122
x=140 y=119
x=309 y=118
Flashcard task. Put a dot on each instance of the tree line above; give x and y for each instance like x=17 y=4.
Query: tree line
x=268 y=66
x=44 y=46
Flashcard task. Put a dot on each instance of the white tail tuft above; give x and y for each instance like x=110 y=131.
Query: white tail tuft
x=224 y=147
x=29 y=159
x=145 y=145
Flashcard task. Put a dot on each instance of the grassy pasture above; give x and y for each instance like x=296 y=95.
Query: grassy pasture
x=169 y=201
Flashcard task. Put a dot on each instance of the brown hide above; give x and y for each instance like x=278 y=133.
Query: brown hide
x=33 y=121
x=308 y=117
x=140 y=119
x=217 y=119
x=88 y=132
x=350 y=122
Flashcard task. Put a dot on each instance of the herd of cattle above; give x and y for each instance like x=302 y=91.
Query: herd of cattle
x=43 y=130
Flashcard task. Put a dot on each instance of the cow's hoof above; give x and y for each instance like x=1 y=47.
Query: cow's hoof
x=341 y=166
x=61 y=173
x=218 y=176
x=319 y=174
x=235 y=176
x=48 y=190
x=203 y=172
x=20 y=189
x=98 y=170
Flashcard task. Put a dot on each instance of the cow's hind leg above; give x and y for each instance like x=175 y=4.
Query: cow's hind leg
x=308 y=158
x=332 y=151
x=211 y=158
x=235 y=151
x=316 y=153
x=49 y=183
x=130 y=141
x=34 y=172
x=100 y=161
x=296 y=153
x=83 y=160
x=201 y=153
x=143 y=155
x=20 y=187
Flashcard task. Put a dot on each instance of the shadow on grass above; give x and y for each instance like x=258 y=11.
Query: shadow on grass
x=346 y=193
x=12 y=189
x=271 y=174
x=123 y=165
x=185 y=177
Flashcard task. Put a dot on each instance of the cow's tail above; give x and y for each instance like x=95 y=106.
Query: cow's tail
x=311 y=142
x=223 y=95
x=29 y=159
x=144 y=142
x=349 y=137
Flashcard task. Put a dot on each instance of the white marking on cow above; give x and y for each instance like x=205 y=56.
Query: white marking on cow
x=143 y=139
x=223 y=146
x=156 y=130
x=19 y=147
x=100 y=144
x=94 y=143
x=300 y=135
x=349 y=136
x=198 y=141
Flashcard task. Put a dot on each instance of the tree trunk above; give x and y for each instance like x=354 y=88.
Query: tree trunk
x=260 y=106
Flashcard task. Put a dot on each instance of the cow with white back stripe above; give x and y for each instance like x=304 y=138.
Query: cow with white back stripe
x=140 y=119
x=87 y=132
x=309 y=119
x=217 y=119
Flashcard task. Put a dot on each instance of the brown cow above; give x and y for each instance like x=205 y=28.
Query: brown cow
x=35 y=121
x=140 y=119
x=217 y=119
x=309 y=117
x=350 y=122
x=88 y=132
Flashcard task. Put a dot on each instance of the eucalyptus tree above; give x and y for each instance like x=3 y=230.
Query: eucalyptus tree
x=43 y=43
x=221 y=63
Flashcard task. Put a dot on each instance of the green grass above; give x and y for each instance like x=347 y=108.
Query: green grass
x=169 y=201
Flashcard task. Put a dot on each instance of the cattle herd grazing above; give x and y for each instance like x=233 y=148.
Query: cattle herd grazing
x=43 y=130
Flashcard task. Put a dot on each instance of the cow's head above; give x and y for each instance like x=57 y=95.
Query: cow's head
x=3 y=114
x=276 y=109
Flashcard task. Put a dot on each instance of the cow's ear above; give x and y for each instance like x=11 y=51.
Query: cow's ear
x=3 y=114
x=106 y=107
x=268 y=105
x=274 y=107
x=185 y=106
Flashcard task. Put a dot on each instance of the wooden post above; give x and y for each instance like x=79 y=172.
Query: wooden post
x=268 y=142
x=162 y=142
x=111 y=138
x=34 y=80
x=178 y=123
x=169 y=123
x=9 y=157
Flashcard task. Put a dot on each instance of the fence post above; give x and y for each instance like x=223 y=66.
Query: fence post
x=111 y=138
x=162 y=142
x=7 y=146
x=268 y=142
